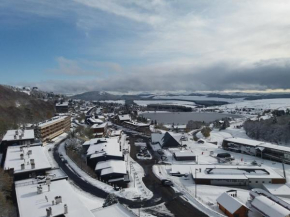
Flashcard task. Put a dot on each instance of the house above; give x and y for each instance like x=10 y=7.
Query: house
x=49 y=198
x=231 y=206
x=15 y=138
x=54 y=127
x=169 y=141
x=100 y=130
x=122 y=118
x=26 y=161
x=268 y=207
x=230 y=175
x=258 y=148
x=184 y=156
x=139 y=127
x=113 y=171
x=103 y=150
x=62 y=107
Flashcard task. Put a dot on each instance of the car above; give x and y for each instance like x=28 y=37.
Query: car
x=160 y=151
x=166 y=182
x=60 y=155
x=63 y=160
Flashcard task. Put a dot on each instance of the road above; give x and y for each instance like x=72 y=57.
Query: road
x=161 y=194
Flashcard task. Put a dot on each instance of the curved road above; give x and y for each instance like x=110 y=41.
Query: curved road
x=161 y=194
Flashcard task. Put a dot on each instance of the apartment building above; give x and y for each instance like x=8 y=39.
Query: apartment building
x=53 y=127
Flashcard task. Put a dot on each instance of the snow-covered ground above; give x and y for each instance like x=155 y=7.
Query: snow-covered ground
x=260 y=104
x=165 y=102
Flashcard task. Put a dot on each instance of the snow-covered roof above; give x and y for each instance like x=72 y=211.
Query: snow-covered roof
x=95 y=121
x=32 y=204
x=137 y=124
x=111 y=166
x=255 y=143
x=13 y=159
x=62 y=104
x=184 y=154
x=98 y=126
x=124 y=117
x=231 y=171
x=116 y=210
x=269 y=207
x=52 y=121
x=110 y=147
x=19 y=135
x=157 y=138
x=278 y=189
x=230 y=203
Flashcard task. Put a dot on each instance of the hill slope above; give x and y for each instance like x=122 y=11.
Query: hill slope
x=19 y=108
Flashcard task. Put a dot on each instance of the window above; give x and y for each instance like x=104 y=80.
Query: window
x=256 y=181
x=250 y=181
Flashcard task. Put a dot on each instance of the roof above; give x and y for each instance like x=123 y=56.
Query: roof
x=26 y=134
x=13 y=159
x=32 y=204
x=269 y=207
x=62 y=104
x=116 y=210
x=157 y=137
x=111 y=166
x=109 y=146
x=137 y=124
x=230 y=203
x=96 y=121
x=52 y=121
x=236 y=172
x=278 y=189
x=98 y=126
x=257 y=144
x=184 y=154
x=124 y=117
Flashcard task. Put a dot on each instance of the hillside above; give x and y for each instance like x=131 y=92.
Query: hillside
x=20 y=108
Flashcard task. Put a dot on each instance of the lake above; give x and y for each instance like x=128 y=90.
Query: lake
x=184 y=117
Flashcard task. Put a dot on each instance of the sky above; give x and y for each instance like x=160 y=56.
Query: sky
x=73 y=46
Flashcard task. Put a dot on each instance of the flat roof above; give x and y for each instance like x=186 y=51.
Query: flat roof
x=137 y=124
x=184 y=154
x=98 y=126
x=26 y=134
x=52 y=120
x=111 y=166
x=13 y=159
x=124 y=117
x=62 y=104
x=236 y=172
x=32 y=204
x=255 y=143
x=116 y=210
x=110 y=147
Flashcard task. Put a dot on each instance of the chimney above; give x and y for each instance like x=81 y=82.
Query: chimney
x=39 y=189
x=21 y=156
x=21 y=148
x=22 y=166
x=65 y=209
x=15 y=136
x=33 y=165
x=32 y=161
x=48 y=212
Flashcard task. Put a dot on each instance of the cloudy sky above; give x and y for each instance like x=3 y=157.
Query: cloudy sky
x=74 y=46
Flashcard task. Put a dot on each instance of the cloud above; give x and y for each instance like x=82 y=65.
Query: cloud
x=82 y=67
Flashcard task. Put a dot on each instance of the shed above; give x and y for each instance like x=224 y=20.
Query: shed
x=231 y=206
x=184 y=155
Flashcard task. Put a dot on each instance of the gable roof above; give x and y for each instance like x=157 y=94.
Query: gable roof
x=230 y=203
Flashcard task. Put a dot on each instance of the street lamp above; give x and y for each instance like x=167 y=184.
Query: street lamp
x=196 y=183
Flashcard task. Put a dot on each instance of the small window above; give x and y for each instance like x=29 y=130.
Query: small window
x=250 y=181
x=263 y=182
x=256 y=181
x=270 y=182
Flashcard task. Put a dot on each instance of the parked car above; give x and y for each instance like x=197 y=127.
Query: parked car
x=166 y=182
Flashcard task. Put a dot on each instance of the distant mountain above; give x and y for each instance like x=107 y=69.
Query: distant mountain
x=96 y=95
x=18 y=107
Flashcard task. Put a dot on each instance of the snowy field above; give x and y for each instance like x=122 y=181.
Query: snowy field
x=200 y=98
x=165 y=102
x=260 y=104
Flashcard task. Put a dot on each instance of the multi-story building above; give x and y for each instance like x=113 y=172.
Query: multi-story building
x=53 y=127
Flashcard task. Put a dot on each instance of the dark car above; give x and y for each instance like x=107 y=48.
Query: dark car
x=160 y=151
x=166 y=182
